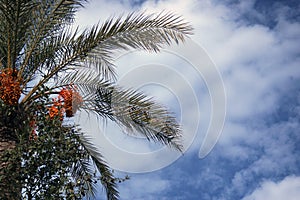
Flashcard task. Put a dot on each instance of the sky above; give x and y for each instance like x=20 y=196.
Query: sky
x=248 y=65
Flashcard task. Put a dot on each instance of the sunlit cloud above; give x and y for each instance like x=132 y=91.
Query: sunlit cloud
x=257 y=54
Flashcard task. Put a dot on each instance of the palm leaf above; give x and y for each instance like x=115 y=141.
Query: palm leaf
x=49 y=19
x=138 y=31
x=15 y=19
x=140 y=114
x=107 y=179
x=132 y=110
x=96 y=47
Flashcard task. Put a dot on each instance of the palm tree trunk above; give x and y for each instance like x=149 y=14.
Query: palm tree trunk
x=10 y=188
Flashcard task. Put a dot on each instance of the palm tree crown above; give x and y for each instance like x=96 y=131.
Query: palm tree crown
x=37 y=48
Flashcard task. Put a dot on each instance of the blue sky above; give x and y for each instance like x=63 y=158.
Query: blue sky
x=254 y=45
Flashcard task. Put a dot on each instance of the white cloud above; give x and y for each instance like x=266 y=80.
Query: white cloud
x=288 y=188
x=257 y=63
x=97 y=11
x=250 y=57
x=144 y=187
x=266 y=152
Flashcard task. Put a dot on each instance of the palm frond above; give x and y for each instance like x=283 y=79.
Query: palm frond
x=96 y=47
x=86 y=79
x=130 y=109
x=49 y=19
x=137 y=113
x=107 y=179
x=88 y=82
x=46 y=56
x=15 y=19
x=83 y=174
x=138 y=31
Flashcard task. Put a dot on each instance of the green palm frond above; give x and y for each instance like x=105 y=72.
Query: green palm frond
x=86 y=79
x=96 y=47
x=138 y=114
x=130 y=109
x=83 y=174
x=49 y=20
x=15 y=17
x=27 y=23
x=138 y=31
x=46 y=56
x=107 y=179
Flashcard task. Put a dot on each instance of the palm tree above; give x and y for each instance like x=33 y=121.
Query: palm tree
x=41 y=156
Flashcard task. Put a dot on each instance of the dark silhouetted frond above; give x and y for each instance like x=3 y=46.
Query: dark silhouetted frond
x=107 y=179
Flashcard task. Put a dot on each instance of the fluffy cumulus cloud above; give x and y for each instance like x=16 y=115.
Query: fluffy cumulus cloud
x=255 y=46
x=288 y=188
x=152 y=187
